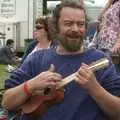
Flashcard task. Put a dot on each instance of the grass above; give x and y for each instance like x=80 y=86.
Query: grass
x=3 y=75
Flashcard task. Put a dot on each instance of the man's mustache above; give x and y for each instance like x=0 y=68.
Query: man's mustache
x=73 y=35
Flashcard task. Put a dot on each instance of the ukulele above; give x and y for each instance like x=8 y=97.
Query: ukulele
x=39 y=102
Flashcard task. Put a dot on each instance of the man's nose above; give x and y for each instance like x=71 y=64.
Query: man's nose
x=75 y=28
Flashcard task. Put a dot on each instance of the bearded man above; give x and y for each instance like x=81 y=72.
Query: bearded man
x=90 y=96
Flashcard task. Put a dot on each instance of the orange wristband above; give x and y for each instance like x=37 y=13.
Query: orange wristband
x=26 y=89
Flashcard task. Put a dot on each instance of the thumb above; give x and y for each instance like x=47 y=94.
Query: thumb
x=52 y=68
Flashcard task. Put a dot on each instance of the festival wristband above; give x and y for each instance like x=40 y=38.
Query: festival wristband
x=26 y=88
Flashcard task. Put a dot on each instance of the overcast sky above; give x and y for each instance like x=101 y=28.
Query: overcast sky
x=97 y=2
x=100 y=2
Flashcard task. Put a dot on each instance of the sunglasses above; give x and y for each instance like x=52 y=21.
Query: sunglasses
x=39 y=27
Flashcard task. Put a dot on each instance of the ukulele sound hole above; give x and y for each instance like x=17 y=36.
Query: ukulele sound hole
x=47 y=91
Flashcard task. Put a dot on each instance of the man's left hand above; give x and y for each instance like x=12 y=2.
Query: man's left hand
x=86 y=78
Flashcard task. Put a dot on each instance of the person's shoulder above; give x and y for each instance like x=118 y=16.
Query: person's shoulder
x=40 y=53
x=44 y=51
x=95 y=53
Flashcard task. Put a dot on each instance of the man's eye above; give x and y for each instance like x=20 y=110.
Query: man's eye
x=68 y=24
x=81 y=24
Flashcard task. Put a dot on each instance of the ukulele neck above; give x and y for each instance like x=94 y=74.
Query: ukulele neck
x=94 y=66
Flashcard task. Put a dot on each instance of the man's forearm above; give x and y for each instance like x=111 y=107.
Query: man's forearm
x=14 y=97
x=107 y=102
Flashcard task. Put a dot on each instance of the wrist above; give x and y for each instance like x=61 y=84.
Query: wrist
x=28 y=88
x=31 y=86
x=95 y=90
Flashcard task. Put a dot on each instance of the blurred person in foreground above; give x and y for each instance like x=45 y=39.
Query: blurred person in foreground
x=90 y=96
x=108 y=34
x=109 y=31
x=42 y=37
x=8 y=53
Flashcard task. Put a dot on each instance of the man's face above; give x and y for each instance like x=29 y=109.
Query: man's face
x=71 y=27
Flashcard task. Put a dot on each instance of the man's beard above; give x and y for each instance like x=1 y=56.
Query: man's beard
x=71 y=42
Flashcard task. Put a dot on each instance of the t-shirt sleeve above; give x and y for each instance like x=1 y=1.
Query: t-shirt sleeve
x=111 y=80
x=21 y=74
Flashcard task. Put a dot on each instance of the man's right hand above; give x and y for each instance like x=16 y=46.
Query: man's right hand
x=44 y=80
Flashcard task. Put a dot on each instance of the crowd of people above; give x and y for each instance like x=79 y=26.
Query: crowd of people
x=91 y=94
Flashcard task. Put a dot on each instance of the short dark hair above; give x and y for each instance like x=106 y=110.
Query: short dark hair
x=9 y=41
x=59 y=7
